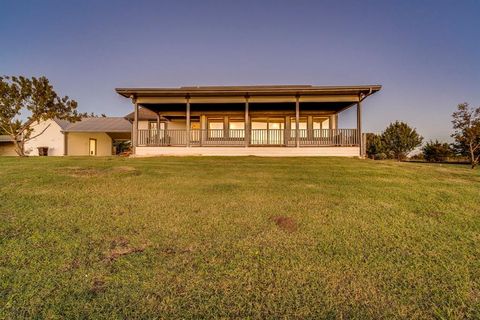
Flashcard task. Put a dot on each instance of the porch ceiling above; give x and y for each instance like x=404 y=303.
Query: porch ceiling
x=175 y=108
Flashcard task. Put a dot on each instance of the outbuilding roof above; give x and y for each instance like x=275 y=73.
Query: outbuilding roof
x=100 y=124
x=5 y=138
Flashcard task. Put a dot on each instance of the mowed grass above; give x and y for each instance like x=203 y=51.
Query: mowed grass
x=200 y=237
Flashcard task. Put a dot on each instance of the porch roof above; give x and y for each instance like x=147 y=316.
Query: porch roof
x=257 y=90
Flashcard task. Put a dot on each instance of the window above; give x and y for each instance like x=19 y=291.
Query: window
x=302 y=124
x=321 y=123
x=236 y=128
x=152 y=125
x=215 y=128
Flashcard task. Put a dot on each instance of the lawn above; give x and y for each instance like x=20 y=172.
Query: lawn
x=200 y=237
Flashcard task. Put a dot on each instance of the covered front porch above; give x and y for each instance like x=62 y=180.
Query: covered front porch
x=262 y=120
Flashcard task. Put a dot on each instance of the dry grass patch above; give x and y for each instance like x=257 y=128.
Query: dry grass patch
x=121 y=247
x=287 y=224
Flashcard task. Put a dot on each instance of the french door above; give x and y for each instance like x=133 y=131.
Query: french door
x=267 y=131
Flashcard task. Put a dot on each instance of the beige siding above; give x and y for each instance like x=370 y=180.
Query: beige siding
x=78 y=143
x=7 y=149
x=52 y=138
x=253 y=151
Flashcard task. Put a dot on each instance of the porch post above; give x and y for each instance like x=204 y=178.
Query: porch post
x=359 y=126
x=297 y=121
x=246 y=136
x=135 y=125
x=158 y=128
x=188 y=121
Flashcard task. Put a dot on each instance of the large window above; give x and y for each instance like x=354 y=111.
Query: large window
x=216 y=128
x=152 y=125
x=321 y=123
x=236 y=128
x=267 y=131
x=302 y=124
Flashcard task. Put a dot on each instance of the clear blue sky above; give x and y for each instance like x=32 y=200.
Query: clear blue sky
x=426 y=54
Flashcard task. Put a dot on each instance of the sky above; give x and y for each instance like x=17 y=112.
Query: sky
x=425 y=54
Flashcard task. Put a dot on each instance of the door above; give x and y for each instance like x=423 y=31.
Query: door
x=93 y=147
x=267 y=131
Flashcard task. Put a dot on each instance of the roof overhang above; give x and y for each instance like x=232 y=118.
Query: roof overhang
x=232 y=94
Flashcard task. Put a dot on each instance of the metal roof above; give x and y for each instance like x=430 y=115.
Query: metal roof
x=249 y=90
x=5 y=138
x=100 y=124
x=143 y=114
x=62 y=123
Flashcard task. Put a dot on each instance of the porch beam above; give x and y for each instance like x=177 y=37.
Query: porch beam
x=188 y=120
x=297 y=121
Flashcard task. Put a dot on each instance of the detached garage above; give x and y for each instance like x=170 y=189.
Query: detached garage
x=95 y=136
x=90 y=136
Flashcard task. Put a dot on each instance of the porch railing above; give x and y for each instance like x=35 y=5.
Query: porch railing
x=253 y=137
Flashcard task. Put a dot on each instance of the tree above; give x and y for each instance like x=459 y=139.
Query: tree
x=25 y=102
x=374 y=146
x=399 y=140
x=466 y=126
x=435 y=151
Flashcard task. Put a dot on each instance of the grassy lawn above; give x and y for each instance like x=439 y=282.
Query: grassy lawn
x=238 y=238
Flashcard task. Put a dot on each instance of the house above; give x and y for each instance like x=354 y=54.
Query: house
x=246 y=120
x=90 y=136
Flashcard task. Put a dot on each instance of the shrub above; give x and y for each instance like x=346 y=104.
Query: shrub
x=435 y=151
x=374 y=145
x=399 y=139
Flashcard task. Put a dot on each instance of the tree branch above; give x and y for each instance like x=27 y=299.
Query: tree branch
x=30 y=138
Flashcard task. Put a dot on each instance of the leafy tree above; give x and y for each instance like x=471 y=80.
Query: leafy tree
x=374 y=145
x=466 y=125
x=399 y=140
x=435 y=151
x=25 y=102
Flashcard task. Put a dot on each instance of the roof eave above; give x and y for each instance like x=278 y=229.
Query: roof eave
x=238 y=91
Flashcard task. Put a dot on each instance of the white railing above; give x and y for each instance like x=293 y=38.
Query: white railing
x=253 y=137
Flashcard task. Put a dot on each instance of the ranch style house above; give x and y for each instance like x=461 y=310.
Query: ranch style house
x=279 y=120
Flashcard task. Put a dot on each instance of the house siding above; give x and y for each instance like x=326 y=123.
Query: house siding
x=78 y=143
x=7 y=149
x=52 y=138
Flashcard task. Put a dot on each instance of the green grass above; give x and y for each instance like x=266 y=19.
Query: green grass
x=238 y=238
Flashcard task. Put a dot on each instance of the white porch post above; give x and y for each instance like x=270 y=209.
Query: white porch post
x=158 y=128
x=135 y=125
x=188 y=121
x=359 y=126
x=247 y=123
x=297 y=121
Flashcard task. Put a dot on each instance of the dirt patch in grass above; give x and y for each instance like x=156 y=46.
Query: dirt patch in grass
x=285 y=223
x=435 y=214
x=81 y=172
x=98 y=286
x=127 y=170
x=172 y=251
x=121 y=247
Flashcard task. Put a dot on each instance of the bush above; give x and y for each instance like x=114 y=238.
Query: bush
x=374 y=145
x=435 y=151
x=399 y=140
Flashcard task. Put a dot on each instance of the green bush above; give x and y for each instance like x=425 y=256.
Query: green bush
x=399 y=139
x=435 y=151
